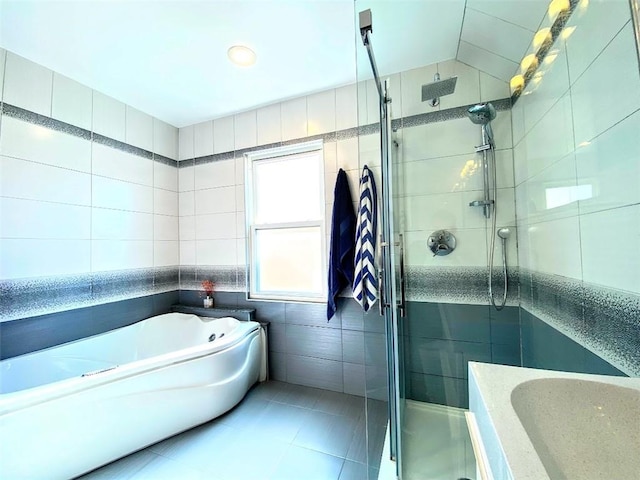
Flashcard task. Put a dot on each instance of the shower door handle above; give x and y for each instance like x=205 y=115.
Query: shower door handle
x=381 y=304
x=402 y=304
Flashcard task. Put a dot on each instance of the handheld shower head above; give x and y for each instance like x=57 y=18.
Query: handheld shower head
x=482 y=113
x=504 y=233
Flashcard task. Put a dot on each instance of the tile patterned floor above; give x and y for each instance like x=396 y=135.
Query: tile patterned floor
x=279 y=431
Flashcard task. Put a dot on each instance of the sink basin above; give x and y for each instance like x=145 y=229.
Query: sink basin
x=580 y=428
x=529 y=424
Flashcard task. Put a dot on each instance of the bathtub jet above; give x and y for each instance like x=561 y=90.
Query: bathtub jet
x=70 y=409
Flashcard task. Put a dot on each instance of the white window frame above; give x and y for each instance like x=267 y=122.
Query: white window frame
x=276 y=154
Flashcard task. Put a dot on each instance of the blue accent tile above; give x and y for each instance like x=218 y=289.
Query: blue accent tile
x=310 y=314
x=505 y=325
x=469 y=323
x=440 y=390
x=445 y=357
x=277 y=338
x=354 y=378
x=375 y=349
x=315 y=372
x=351 y=314
x=353 y=346
x=506 y=354
x=278 y=366
x=316 y=342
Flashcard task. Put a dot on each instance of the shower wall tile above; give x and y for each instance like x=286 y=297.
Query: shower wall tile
x=492 y=88
x=71 y=102
x=611 y=104
x=215 y=174
x=612 y=267
x=186 y=144
x=441 y=139
x=24 y=140
x=165 y=227
x=27 y=84
x=412 y=81
x=549 y=141
x=608 y=167
x=467 y=86
x=139 y=128
x=604 y=16
x=109 y=117
x=471 y=248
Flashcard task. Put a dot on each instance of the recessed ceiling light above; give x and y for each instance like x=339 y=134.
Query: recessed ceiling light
x=241 y=55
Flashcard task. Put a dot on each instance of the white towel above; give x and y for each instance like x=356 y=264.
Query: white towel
x=365 y=282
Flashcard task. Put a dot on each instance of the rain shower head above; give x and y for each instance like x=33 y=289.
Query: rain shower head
x=482 y=113
x=438 y=88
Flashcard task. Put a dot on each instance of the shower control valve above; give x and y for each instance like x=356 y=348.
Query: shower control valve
x=441 y=243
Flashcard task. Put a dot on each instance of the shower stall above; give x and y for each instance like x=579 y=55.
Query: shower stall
x=479 y=172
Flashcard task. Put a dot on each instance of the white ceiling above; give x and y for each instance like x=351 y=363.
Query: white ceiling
x=168 y=58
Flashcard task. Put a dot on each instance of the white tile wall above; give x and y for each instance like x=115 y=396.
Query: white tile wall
x=109 y=117
x=109 y=255
x=597 y=104
x=346 y=107
x=492 y=88
x=245 y=130
x=23 y=258
x=412 y=81
x=606 y=17
x=165 y=139
x=3 y=57
x=216 y=252
x=186 y=179
x=33 y=181
x=215 y=174
x=120 y=225
x=268 y=124
x=467 y=86
x=617 y=267
x=215 y=226
x=294 y=119
x=187 y=227
x=165 y=202
x=38 y=144
x=165 y=227
x=166 y=253
x=44 y=220
x=188 y=253
x=139 y=129
x=112 y=163
x=72 y=102
x=165 y=176
x=119 y=195
x=215 y=200
x=321 y=112
x=27 y=85
x=203 y=139
x=186 y=145
x=609 y=166
x=223 y=135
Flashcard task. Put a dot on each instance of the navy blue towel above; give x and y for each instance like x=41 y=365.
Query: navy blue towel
x=343 y=229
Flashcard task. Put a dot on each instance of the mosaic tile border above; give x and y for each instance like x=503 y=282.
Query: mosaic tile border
x=60 y=126
x=22 y=298
x=606 y=321
x=226 y=278
x=466 y=285
x=363 y=130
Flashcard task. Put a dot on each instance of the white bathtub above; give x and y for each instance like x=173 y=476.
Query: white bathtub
x=156 y=378
x=530 y=424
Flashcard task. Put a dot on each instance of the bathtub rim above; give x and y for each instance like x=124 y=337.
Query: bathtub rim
x=15 y=401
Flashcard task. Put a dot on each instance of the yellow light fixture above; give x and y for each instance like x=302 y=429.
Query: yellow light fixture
x=557 y=7
x=528 y=63
x=551 y=57
x=241 y=55
x=541 y=37
x=516 y=84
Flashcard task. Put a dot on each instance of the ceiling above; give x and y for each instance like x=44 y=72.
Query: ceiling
x=169 y=58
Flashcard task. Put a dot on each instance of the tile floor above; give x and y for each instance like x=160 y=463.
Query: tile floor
x=279 y=431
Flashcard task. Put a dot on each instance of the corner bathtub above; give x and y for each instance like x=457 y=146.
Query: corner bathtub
x=69 y=409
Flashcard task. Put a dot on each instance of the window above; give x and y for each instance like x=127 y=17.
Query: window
x=285 y=219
